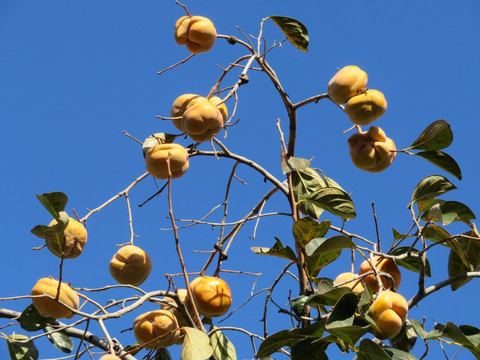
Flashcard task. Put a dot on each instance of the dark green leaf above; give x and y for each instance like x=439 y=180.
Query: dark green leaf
x=298 y=304
x=310 y=349
x=129 y=348
x=411 y=263
x=431 y=187
x=333 y=200
x=60 y=340
x=306 y=229
x=321 y=252
x=459 y=263
x=368 y=350
x=406 y=339
x=223 y=348
x=436 y=136
x=31 y=320
x=343 y=313
x=20 y=348
x=452 y=211
x=398 y=236
x=283 y=338
x=277 y=250
x=54 y=202
x=328 y=298
x=156 y=139
x=306 y=182
x=443 y=161
x=294 y=163
x=162 y=354
x=294 y=30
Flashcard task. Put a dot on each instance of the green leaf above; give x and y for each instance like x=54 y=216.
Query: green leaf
x=343 y=313
x=31 y=320
x=223 y=348
x=162 y=354
x=310 y=349
x=294 y=163
x=294 y=30
x=459 y=263
x=436 y=136
x=277 y=250
x=54 y=202
x=59 y=339
x=328 y=298
x=411 y=263
x=368 y=350
x=438 y=234
x=306 y=182
x=431 y=187
x=156 y=139
x=283 y=338
x=20 y=348
x=398 y=354
x=333 y=200
x=321 y=252
x=442 y=160
x=452 y=211
x=398 y=236
x=298 y=304
x=306 y=229
x=406 y=339
x=351 y=334
x=196 y=345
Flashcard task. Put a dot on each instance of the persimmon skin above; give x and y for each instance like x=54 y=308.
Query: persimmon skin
x=75 y=240
x=364 y=108
x=182 y=294
x=48 y=307
x=130 y=265
x=109 y=357
x=198 y=117
x=211 y=295
x=372 y=151
x=156 y=160
x=355 y=285
x=389 y=311
x=346 y=83
x=383 y=265
x=197 y=33
x=153 y=324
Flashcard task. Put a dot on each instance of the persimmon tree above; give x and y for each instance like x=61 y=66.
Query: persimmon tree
x=362 y=314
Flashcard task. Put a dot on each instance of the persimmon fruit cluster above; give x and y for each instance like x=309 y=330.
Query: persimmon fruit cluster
x=372 y=150
x=389 y=312
x=198 y=117
x=197 y=33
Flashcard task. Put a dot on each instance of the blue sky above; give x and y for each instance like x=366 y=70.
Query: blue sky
x=74 y=75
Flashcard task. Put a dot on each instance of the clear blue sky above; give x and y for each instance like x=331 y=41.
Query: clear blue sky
x=73 y=75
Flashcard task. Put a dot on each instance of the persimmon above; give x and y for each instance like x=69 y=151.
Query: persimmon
x=130 y=265
x=197 y=33
x=346 y=83
x=161 y=325
x=48 y=306
x=212 y=295
x=75 y=240
x=389 y=311
x=382 y=265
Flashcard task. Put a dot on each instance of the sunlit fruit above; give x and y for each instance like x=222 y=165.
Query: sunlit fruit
x=109 y=357
x=198 y=117
x=364 y=108
x=48 y=307
x=222 y=107
x=372 y=151
x=130 y=265
x=196 y=32
x=346 y=83
x=389 y=311
x=158 y=328
x=382 y=265
x=75 y=240
x=355 y=285
x=212 y=295
x=157 y=156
